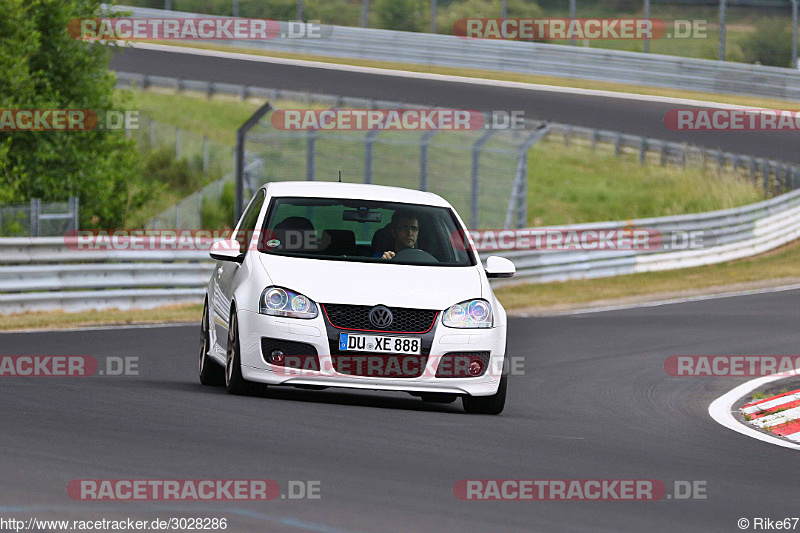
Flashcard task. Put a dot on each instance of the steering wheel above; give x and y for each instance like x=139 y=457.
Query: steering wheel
x=415 y=255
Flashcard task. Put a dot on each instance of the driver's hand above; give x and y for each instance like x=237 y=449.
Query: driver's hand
x=387 y=255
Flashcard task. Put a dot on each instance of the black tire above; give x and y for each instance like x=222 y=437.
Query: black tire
x=211 y=373
x=438 y=397
x=487 y=405
x=234 y=381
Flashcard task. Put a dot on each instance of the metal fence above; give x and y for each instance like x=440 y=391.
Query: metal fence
x=530 y=58
x=201 y=153
x=188 y=213
x=486 y=180
x=482 y=172
x=729 y=234
x=38 y=218
x=46 y=273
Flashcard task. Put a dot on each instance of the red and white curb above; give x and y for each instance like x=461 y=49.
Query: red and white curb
x=779 y=414
x=721 y=409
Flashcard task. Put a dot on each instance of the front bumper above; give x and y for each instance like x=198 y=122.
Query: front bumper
x=254 y=326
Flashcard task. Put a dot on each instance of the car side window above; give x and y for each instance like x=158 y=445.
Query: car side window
x=245 y=232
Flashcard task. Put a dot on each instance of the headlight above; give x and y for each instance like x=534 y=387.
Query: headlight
x=469 y=314
x=283 y=302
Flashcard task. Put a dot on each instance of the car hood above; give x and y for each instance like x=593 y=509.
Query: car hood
x=421 y=287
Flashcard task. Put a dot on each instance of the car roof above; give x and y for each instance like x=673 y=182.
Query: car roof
x=357 y=191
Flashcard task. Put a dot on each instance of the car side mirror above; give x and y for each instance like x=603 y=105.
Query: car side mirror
x=226 y=250
x=499 y=267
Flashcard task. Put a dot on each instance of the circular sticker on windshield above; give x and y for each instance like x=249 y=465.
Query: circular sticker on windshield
x=273 y=243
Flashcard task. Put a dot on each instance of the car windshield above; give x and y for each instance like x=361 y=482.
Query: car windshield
x=364 y=231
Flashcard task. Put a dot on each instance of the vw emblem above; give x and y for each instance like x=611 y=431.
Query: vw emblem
x=380 y=316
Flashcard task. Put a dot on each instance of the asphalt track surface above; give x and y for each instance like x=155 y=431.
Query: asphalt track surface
x=627 y=116
x=593 y=402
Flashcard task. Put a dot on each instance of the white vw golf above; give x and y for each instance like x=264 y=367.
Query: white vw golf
x=358 y=286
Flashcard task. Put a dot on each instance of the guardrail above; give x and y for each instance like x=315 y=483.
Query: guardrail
x=44 y=273
x=529 y=58
x=734 y=234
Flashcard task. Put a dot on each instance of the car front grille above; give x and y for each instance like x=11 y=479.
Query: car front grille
x=356 y=317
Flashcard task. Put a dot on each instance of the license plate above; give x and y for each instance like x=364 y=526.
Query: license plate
x=349 y=342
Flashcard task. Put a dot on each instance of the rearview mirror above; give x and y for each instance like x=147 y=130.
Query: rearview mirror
x=226 y=250
x=361 y=215
x=499 y=267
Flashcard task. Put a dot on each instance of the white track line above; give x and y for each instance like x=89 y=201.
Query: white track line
x=721 y=409
x=434 y=77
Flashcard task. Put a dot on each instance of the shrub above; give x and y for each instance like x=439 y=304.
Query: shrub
x=160 y=165
x=770 y=43
x=403 y=15
x=218 y=213
x=447 y=16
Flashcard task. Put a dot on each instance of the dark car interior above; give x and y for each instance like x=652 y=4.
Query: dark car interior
x=333 y=238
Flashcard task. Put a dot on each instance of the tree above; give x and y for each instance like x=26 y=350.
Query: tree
x=402 y=15
x=449 y=14
x=770 y=43
x=45 y=68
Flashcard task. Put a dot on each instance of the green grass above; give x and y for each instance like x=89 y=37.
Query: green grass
x=740 y=23
x=569 y=185
x=566 y=184
x=779 y=266
x=217 y=118
x=701 y=48
x=61 y=319
x=660 y=10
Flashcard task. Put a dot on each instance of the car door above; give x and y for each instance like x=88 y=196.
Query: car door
x=226 y=270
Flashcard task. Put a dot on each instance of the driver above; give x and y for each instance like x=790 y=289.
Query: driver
x=405 y=231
